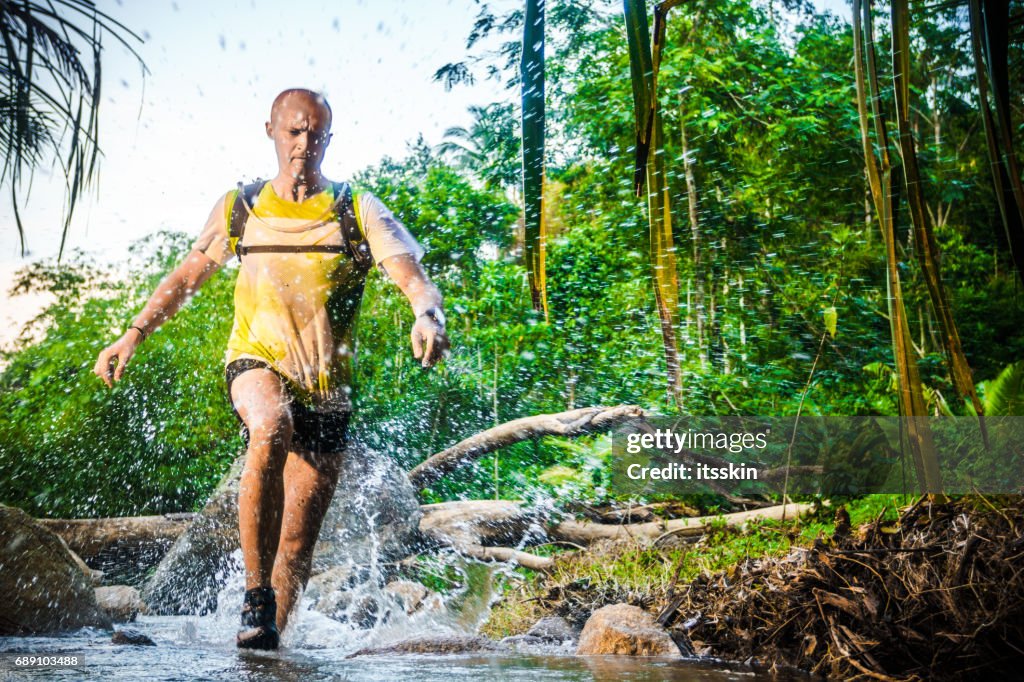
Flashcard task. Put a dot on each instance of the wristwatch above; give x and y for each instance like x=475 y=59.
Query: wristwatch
x=435 y=313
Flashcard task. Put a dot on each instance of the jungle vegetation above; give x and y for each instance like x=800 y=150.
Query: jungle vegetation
x=736 y=231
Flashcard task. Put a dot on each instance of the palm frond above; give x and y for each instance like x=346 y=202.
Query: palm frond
x=52 y=94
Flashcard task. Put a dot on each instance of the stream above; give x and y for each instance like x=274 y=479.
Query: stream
x=316 y=647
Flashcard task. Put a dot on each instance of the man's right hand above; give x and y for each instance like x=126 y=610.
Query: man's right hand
x=114 y=358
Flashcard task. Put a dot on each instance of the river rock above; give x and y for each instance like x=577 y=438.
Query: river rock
x=345 y=594
x=192 y=572
x=121 y=602
x=132 y=636
x=411 y=596
x=554 y=629
x=373 y=519
x=440 y=644
x=624 y=630
x=42 y=586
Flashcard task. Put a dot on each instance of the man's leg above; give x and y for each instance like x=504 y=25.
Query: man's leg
x=261 y=399
x=309 y=483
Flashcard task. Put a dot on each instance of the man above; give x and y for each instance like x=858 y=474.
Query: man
x=302 y=242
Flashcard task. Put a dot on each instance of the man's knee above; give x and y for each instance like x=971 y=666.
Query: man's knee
x=270 y=429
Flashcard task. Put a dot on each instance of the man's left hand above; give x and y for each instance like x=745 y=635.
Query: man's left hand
x=429 y=340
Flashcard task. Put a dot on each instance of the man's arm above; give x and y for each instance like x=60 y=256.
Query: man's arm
x=168 y=298
x=429 y=340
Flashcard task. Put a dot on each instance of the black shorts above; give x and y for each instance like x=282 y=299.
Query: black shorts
x=320 y=432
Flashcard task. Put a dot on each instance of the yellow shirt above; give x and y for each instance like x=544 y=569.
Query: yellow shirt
x=297 y=311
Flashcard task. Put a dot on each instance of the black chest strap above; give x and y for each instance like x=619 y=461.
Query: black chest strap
x=353 y=242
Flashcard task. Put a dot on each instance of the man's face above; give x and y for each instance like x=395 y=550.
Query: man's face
x=300 y=128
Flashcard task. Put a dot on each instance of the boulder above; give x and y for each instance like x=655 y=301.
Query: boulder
x=43 y=587
x=411 y=596
x=626 y=631
x=121 y=602
x=373 y=519
x=194 y=569
x=346 y=595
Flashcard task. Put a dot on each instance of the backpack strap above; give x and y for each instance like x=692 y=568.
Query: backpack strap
x=351 y=232
x=353 y=241
x=245 y=201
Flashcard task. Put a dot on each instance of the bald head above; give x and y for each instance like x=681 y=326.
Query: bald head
x=300 y=126
x=301 y=97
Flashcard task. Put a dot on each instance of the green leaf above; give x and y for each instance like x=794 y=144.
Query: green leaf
x=1004 y=395
x=831 y=319
x=558 y=475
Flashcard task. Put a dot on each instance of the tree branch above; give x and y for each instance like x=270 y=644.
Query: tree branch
x=566 y=424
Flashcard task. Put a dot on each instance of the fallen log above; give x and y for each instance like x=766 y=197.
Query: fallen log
x=479 y=522
x=565 y=424
x=122 y=547
x=586 y=532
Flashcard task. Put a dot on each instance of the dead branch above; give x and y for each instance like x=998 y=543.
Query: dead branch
x=585 y=532
x=566 y=424
x=524 y=559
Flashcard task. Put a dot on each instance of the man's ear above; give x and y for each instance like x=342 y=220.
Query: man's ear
x=270 y=130
x=330 y=136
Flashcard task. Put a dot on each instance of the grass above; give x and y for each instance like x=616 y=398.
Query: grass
x=640 y=575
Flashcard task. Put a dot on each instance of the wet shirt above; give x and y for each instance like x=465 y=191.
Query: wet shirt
x=296 y=311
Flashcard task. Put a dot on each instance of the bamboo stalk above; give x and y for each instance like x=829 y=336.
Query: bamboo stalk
x=532 y=79
x=927 y=248
x=911 y=393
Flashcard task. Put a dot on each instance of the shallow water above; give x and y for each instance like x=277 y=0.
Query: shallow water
x=183 y=653
x=315 y=648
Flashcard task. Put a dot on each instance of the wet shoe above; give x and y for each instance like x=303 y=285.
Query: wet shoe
x=259 y=620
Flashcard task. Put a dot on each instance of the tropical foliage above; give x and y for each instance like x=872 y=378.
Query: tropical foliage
x=798 y=267
x=50 y=98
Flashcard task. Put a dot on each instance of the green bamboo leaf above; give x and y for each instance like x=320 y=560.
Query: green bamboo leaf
x=532 y=79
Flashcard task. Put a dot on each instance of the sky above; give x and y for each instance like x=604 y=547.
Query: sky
x=178 y=137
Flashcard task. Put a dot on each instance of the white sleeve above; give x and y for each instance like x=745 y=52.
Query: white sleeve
x=385 y=234
x=214 y=240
